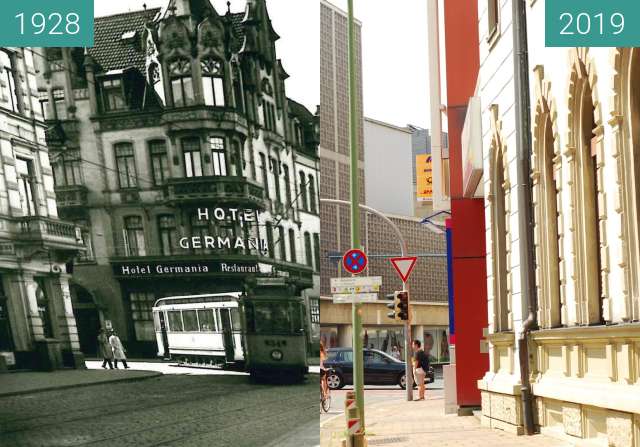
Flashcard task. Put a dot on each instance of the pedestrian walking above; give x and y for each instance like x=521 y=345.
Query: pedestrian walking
x=395 y=353
x=104 y=349
x=421 y=366
x=118 y=350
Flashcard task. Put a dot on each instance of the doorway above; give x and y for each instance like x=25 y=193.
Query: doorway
x=87 y=319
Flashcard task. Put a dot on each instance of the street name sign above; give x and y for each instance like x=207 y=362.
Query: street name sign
x=354 y=284
x=404 y=266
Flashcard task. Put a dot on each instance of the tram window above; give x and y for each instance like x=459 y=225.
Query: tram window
x=275 y=318
x=207 y=322
x=190 y=321
x=175 y=321
x=235 y=319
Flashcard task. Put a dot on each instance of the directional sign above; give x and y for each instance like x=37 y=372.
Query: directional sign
x=354 y=261
x=355 y=298
x=353 y=284
x=404 y=266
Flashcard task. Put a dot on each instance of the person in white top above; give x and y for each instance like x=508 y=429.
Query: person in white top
x=118 y=350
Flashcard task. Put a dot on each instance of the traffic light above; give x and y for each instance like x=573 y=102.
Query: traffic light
x=395 y=306
x=403 y=306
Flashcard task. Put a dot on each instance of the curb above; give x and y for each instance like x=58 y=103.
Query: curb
x=151 y=375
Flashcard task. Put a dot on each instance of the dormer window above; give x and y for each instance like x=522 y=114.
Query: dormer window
x=212 y=82
x=113 y=95
x=181 y=82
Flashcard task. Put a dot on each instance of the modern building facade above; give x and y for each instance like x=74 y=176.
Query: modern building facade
x=37 y=325
x=181 y=154
x=428 y=281
x=582 y=333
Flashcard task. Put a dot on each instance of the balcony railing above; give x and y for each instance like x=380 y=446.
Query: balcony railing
x=215 y=189
x=59 y=132
x=49 y=233
x=73 y=196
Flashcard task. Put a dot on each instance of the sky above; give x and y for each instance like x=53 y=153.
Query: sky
x=395 y=71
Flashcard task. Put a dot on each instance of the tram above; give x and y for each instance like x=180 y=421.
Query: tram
x=263 y=334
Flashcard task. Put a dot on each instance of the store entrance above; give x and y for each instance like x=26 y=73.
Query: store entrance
x=87 y=319
x=6 y=339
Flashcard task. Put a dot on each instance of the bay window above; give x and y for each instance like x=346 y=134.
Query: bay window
x=192 y=160
x=212 y=82
x=181 y=83
x=218 y=155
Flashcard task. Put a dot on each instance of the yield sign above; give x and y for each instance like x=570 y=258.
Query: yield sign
x=404 y=266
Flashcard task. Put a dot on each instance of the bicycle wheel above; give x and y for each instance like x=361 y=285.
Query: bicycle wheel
x=326 y=403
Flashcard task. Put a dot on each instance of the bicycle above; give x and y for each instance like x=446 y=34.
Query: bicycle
x=325 y=398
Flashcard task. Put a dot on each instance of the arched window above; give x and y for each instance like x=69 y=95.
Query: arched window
x=586 y=207
x=181 y=82
x=282 y=244
x=292 y=245
x=304 y=200
x=546 y=218
x=501 y=304
x=312 y=195
x=212 y=82
x=308 y=249
x=270 y=242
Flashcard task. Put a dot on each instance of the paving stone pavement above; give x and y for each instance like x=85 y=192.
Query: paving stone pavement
x=422 y=423
x=175 y=410
x=30 y=382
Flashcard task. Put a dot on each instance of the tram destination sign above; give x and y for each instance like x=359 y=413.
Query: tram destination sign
x=172 y=268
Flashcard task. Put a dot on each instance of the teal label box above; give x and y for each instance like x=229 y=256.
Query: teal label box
x=592 y=23
x=46 y=23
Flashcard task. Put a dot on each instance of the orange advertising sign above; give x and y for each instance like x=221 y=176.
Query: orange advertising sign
x=424 y=178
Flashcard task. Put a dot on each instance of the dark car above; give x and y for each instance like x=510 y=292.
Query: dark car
x=379 y=368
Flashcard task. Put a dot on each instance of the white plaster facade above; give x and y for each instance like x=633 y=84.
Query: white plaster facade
x=387 y=162
x=585 y=358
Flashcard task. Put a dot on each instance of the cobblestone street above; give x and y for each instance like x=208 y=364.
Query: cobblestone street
x=171 y=410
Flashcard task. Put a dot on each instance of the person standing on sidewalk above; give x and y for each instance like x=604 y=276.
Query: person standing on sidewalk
x=118 y=350
x=104 y=349
x=421 y=366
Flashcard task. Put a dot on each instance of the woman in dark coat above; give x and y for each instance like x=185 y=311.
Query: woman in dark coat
x=105 y=350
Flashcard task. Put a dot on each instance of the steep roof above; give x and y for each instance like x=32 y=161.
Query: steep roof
x=111 y=52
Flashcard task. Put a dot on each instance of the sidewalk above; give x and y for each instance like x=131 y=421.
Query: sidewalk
x=31 y=382
x=422 y=423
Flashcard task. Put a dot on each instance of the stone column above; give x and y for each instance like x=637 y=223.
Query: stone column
x=61 y=299
x=345 y=338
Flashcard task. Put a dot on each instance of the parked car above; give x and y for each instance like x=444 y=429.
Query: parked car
x=379 y=368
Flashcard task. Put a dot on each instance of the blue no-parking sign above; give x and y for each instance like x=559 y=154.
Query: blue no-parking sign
x=354 y=261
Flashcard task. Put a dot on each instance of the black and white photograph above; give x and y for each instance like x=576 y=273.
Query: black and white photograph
x=159 y=230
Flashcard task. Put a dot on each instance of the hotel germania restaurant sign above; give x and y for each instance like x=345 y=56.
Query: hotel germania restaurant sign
x=171 y=268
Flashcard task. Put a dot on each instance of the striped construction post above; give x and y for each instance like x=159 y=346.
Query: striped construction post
x=355 y=435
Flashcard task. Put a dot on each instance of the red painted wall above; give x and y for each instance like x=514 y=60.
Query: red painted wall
x=467 y=215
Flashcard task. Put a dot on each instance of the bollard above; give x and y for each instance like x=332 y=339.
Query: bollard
x=355 y=435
